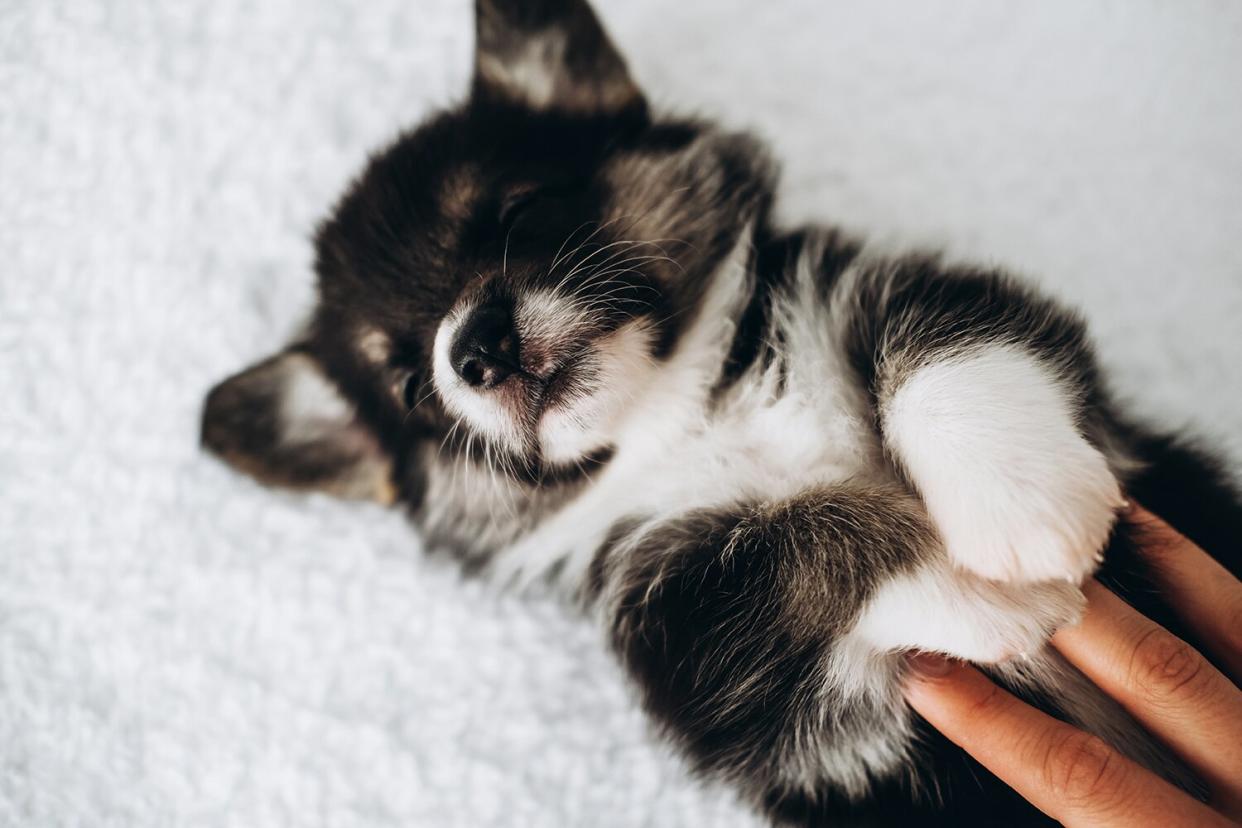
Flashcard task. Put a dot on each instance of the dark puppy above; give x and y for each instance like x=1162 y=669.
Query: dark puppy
x=563 y=333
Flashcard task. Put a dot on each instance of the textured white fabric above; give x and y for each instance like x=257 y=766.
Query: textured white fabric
x=180 y=647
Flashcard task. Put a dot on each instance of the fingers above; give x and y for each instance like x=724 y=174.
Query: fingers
x=1071 y=776
x=1171 y=689
x=1206 y=596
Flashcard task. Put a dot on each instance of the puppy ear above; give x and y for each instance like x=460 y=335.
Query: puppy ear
x=286 y=424
x=549 y=54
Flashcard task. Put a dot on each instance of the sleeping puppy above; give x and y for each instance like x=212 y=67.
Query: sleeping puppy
x=562 y=331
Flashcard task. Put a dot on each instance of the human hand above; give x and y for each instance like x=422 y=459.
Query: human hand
x=1195 y=709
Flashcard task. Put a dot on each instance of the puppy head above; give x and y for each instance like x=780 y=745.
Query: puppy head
x=502 y=281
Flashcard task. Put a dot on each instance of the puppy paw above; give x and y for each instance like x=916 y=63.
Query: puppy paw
x=1016 y=492
x=1045 y=516
x=1015 y=621
x=941 y=609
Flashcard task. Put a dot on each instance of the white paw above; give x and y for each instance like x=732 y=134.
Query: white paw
x=1015 y=621
x=1015 y=491
x=1051 y=522
x=939 y=609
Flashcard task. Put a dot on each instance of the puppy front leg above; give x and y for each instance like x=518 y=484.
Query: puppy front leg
x=985 y=395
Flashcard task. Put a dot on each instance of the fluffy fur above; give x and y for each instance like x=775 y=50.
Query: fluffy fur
x=991 y=441
x=570 y=337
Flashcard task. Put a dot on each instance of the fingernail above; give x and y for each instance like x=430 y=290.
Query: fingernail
x=929 y=665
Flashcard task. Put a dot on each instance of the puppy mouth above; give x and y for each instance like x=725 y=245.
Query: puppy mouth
x=528 y=394
x=553 y=388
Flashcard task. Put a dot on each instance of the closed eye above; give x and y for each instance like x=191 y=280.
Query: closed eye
x=407 y=390
x=514 y=205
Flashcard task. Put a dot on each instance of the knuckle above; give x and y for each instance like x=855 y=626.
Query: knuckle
x=1164 y=668
x=989 y=705
x=1080 y=768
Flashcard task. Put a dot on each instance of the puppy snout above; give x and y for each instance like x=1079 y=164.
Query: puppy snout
x=485 y=351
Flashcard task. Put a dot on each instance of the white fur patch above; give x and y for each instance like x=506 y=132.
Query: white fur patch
x=545 y=316
x=310 y=405
x=940 y=609
x=1015 y=490
x=624 y=367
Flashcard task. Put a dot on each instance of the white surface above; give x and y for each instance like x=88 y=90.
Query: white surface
x=178 y=646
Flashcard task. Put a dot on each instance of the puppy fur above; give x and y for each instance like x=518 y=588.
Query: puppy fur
x=563 y=333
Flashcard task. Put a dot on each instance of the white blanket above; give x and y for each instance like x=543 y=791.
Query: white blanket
x=181 y=647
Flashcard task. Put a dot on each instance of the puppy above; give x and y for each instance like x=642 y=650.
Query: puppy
x=562 y=331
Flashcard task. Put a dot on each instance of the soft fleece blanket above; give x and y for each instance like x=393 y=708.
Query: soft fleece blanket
x=180 y=647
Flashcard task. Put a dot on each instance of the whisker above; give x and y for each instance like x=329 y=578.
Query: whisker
x=420 y=401
x=577 y=268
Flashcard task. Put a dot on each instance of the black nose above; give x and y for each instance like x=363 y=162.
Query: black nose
x=485 y=350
